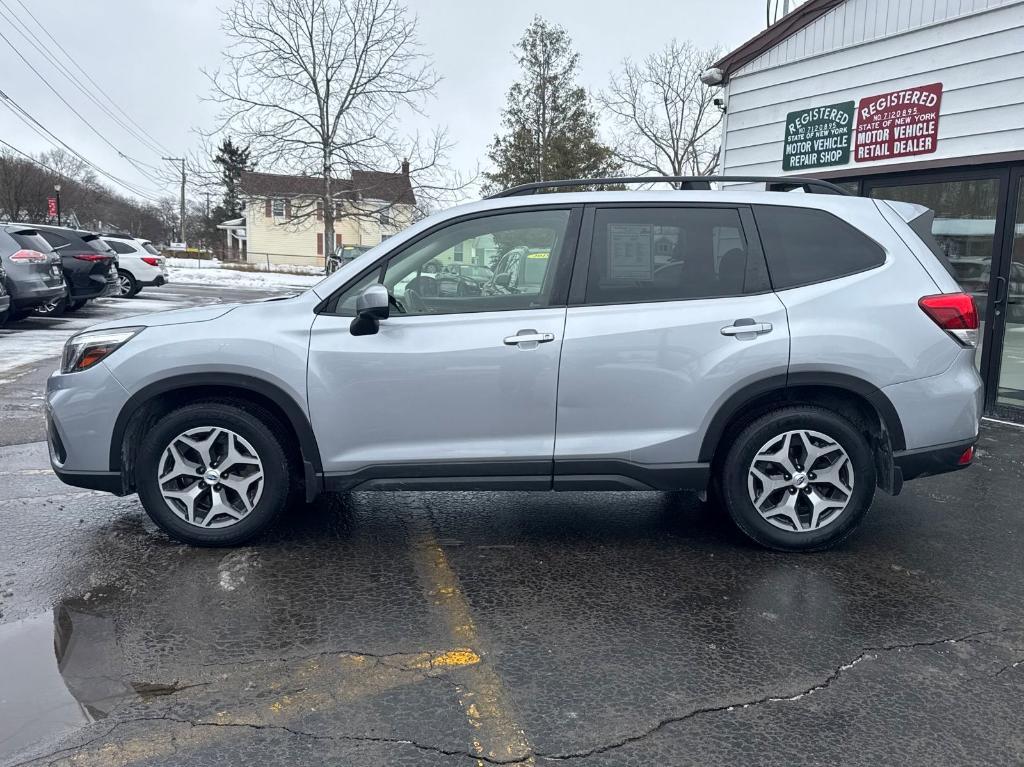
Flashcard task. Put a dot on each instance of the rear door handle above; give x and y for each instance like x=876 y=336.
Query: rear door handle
x=745 y=326
x=529 y=337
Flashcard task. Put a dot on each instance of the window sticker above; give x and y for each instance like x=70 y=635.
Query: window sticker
x=630 y=251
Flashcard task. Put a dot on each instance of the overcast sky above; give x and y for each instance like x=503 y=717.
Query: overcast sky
x=147 y=55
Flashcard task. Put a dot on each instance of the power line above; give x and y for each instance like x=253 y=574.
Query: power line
x=29 y=157
x=88 y=124
x=96 y=85
x=12 y=18
x=48 y=135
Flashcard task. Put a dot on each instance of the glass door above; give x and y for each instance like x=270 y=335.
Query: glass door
x=1010 y=303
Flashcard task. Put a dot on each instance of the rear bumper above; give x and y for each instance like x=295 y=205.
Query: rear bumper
x=929 y=461
x=26 y=299
x=155 y=282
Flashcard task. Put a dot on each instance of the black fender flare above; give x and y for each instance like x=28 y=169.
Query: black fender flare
x=782 y=384
x=297 y=417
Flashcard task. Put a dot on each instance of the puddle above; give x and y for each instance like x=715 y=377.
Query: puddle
x=61 y=670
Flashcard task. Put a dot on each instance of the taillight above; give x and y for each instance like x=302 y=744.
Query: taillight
x=966 y=456
x=91 y=257
x=151 y=261
x=955 y=313
x=30 y=257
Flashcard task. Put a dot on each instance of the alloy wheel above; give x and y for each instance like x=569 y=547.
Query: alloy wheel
x=124 y=284
x=801 y=481
x=210 y=477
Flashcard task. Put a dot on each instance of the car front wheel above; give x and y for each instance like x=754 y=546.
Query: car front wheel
x=800 y=478
x=214 y=473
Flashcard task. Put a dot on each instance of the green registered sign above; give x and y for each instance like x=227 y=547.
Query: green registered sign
x=818 y=137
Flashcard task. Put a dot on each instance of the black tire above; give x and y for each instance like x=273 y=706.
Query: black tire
x=253 y=424
x=734 y=472
x=127 y=284
x=3 y=317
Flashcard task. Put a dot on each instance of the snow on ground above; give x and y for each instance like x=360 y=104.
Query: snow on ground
x=235 y=278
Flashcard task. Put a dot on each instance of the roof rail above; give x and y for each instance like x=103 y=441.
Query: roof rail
x=772 y=184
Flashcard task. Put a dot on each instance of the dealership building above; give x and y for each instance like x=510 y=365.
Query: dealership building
x=914 y=100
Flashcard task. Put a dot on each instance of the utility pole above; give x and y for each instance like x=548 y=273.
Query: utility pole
x=182 y=221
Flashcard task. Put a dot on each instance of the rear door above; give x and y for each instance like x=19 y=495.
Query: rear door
x=670 y=312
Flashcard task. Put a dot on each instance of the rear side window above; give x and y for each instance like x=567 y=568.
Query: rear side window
x=804 y=246
x=922 y=227
x=120 y=247
x=30 y=239
x=94 y=242
x=55 y=240
x=666 y=254
x=148 y=247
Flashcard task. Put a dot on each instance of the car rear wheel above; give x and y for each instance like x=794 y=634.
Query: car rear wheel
x=800 y=478
x=127 y=284
x=214 y=473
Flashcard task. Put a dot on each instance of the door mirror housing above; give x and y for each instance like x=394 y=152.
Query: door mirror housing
x=372 y=306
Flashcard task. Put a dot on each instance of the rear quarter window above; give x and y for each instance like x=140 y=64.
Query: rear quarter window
x=31 y=240
x=804 y=246
x=120 y=247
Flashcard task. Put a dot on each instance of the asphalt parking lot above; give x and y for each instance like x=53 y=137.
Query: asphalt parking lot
x=538 y=628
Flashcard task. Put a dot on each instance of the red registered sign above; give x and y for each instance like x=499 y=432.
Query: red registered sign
x=898 y=124
x=51 y=206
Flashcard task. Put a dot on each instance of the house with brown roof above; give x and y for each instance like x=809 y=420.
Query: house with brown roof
x=283 y=222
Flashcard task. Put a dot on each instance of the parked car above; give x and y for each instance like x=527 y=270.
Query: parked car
x=139 y=263
x=765 y=371
x=5 y=300
x=343 y=255
x=479 y=274
x=89 y=265
x=33 y=274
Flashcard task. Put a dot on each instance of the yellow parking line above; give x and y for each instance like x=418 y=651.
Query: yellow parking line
x=497 y=735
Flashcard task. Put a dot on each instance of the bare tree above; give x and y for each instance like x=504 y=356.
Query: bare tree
x=663 y=117
x=315 y=87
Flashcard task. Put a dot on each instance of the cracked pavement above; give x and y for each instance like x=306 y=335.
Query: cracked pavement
x=502 y=628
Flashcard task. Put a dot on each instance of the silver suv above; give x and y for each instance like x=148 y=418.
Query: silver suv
x=784 y=353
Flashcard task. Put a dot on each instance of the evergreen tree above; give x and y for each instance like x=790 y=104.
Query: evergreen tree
x=550 y=130
x=233 y=160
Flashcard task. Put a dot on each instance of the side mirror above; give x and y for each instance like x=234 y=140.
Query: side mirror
x=372 y=306
x=503 y=280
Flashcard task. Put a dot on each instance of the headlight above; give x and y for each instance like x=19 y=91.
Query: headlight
x=83 y=351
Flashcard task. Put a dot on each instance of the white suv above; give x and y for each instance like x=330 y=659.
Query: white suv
x=140 y=264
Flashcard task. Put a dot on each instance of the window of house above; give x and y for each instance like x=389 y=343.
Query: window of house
x=277 y=207
x=385 y=218
x=666 y=254
x=805 y=245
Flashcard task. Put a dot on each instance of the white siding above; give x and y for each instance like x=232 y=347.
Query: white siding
x=860 y=21
x=978 y=56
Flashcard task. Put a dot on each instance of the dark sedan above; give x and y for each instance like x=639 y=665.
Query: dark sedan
x=89 y=264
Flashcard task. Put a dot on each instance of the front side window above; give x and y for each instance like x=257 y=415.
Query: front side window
x=666 y=254
x=524 y=248
x=804 y=246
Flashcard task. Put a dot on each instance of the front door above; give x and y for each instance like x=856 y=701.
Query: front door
x=461 y=379
x=673 y=315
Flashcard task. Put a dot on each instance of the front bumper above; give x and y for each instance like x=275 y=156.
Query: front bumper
x=929 y=461
x=81 y=409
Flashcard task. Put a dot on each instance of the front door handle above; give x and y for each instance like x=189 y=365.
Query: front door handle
x=747 y=328
x=529 y=337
